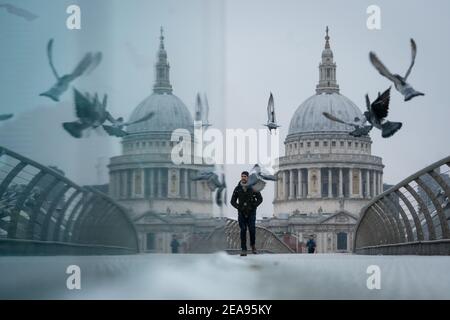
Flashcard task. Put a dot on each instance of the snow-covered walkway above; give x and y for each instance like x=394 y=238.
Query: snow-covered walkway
x=222 y=276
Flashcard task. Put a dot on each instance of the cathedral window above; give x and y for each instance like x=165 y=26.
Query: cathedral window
x=316 y=143
x=325 y=143
x=333 y=143
x=349 y=144
x=356 y=144
x=342 y=143
x=301 y=144
x=308 y=144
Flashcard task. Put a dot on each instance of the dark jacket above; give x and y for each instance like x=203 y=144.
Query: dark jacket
x=311 y=244
x=247 y=201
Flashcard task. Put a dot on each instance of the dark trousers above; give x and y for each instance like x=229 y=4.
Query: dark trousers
x=247 y=221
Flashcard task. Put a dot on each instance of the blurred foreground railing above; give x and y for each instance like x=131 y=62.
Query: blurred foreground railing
x=42 y=212
x=412 y=217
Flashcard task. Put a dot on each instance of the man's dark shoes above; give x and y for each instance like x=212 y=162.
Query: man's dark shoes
x=254 y=250
x=243 y=253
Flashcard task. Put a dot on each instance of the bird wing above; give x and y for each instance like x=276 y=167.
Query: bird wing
x=83 y=107
x=213 y=182
x=96 y=59
x=19 y=11
x=380 y=106
x=259 y=185
x=82 y=66
x=382 y=68
x=50 y=57
x=413 y=57
x=5 y=116
x=333 y=118
x=203 y=175
x=113 y=131
x=270 y=177
x=270 y=109
x=144 y=118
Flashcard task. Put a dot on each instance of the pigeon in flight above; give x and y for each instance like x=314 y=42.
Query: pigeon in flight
x=92 y=113
x=214 y=182
x=376 y=113
x=4 y=117
x=89 y=62
x=27 y=15
x=361 y=129
x=271 y=120
x=400 y=82
x=202 y=110
x=258 y=177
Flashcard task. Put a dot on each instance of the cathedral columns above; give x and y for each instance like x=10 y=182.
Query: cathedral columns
x=360 y=183
x=350 y=182
x=330 y=180
x=341 y=183
x=367 y=195
x=374 y=185
x=159 y=179
x=285 y=184
x=291 y=184
x=299 y=184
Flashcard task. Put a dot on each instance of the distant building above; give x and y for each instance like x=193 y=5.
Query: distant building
x=326 y=175
x=160 y=195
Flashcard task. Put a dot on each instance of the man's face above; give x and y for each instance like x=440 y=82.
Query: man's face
x=244 y=178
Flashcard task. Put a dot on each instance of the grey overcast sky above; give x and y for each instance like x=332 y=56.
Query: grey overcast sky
x=236 y=51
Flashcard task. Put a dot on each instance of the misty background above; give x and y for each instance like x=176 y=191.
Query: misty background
x=236 y=52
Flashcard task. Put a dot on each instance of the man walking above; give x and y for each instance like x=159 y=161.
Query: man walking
x=245 y=200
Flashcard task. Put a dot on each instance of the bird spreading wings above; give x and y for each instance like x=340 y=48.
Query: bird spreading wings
x=400 y=82
x=89 y=62
x=258 y=177
x=271 y=110
x=116 y=129
x=214 y=182
x=380 y=106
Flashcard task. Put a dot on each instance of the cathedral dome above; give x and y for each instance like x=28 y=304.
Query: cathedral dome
x=309 y=118
x=170 y=113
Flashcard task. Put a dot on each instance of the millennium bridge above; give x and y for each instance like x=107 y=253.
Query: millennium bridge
x=48 y=224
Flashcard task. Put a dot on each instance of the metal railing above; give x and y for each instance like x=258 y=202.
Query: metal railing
x=413 y=217
x=43 y=212
x=227 y=237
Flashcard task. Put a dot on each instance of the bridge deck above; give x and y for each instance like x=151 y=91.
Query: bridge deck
x=222 y=276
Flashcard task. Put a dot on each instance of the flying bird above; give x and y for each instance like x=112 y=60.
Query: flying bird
x=89 y=62
x=202 y=110
x=4 y=117
x=92 y=113
x=27 y=15
x=360 y=128
x=376 y=114
x=271 y=120
x=214 y=182
x=400 y=82
x=257 y=178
